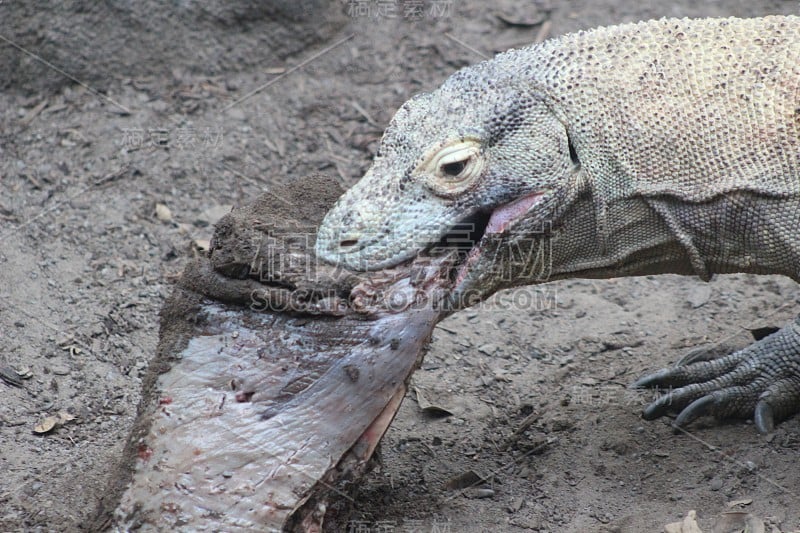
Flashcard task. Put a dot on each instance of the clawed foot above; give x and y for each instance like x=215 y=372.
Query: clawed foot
x=762 y=381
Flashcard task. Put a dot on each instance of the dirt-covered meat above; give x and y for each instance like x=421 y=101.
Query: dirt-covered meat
x=275 y=378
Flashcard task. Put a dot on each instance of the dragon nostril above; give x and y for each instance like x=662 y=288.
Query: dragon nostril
x=348 y=243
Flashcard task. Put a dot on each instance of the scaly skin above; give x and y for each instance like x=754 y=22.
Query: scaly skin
x=670 y=146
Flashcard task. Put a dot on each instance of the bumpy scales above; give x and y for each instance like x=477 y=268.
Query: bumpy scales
x=669 y=146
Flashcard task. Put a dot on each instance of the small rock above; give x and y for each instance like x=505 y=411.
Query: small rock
x=561 y=423
x=488 y=349
x=32 y=489
x=515 y=505
x=699 y=296
x=59 y=370
x=163 y=213
x=530 y=523
x=480 y=493
x=715 y=484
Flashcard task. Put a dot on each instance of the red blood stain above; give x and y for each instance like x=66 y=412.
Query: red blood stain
x=145 y=452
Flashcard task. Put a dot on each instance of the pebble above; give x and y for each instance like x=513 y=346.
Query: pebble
x=32 y=489
x=488 y=349
x=480 y=493
x=163 y=213
x=699 y=295
x=531 y=523
x=60 y=370
x=515 y=505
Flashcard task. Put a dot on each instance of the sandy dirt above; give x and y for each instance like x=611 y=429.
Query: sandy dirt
x=543 y=434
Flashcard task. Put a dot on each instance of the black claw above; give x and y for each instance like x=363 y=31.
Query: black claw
x=652 y=380
x=704 y=354
x=764 y=417
x=759 y=381
x=658 y=408
x=696 y=409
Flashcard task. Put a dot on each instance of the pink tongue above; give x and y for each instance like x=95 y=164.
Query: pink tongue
x=498 y=222
x=506 y=214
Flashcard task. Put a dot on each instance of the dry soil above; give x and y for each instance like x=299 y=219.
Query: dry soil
x=535 y=379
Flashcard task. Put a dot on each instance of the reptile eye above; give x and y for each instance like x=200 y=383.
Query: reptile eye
x=454 y=169
x=450 y=169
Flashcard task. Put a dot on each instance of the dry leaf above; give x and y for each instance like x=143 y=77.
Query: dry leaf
x=523 y=17
x=49 y=423
x=428 y=407
x=64 y=417
x=687 y=525
x=46 y=425
x=735 y=503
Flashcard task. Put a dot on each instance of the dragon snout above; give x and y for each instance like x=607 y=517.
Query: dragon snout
x=356 y=244
x=348 y=243
x=342 y=236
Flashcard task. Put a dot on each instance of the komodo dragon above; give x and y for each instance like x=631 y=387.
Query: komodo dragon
x=668 y=146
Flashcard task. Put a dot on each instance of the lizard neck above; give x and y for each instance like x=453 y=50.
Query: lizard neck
x=740 y=231
x=581 y=236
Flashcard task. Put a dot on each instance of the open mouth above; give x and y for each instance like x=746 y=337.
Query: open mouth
x=468 y=235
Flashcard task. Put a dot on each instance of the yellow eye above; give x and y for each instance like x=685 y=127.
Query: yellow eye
x=453 y=168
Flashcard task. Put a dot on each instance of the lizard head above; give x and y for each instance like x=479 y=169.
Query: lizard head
x=470 y=157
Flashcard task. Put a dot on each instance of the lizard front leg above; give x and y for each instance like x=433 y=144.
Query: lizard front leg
x=762 y=381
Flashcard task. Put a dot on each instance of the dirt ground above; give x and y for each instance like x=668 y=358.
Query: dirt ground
x=535 y=379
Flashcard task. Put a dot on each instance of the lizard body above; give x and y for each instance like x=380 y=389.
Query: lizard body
x=668 y=146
